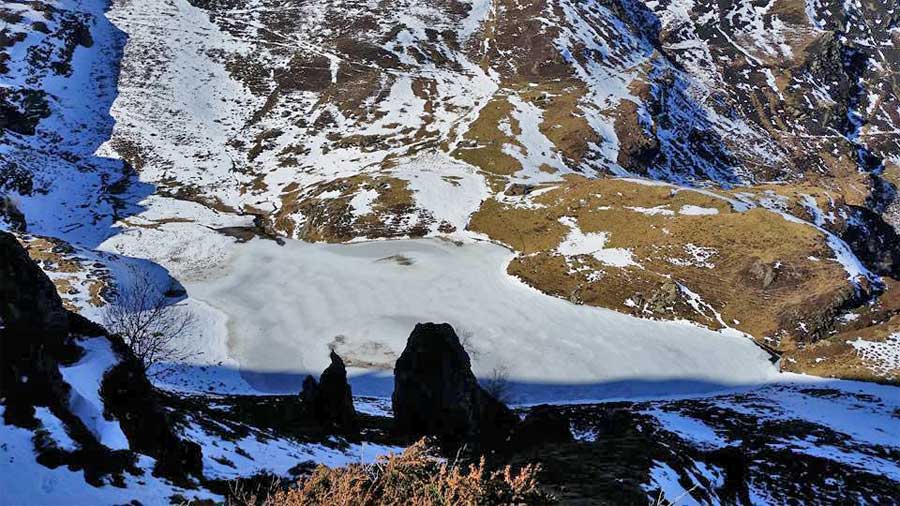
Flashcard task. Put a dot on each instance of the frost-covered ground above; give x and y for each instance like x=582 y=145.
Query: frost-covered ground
x=810 y=420
x=25 y=481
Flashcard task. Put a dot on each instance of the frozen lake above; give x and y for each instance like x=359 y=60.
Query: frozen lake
x=284 y=306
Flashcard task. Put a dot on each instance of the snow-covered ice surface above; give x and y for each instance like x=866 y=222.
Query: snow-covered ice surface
x=287 y=305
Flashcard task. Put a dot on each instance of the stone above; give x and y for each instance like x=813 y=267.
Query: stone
x=331 y=399
x=436 y=394
x=29 y=303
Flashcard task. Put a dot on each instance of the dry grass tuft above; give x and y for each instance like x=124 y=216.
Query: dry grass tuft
x=416 y=477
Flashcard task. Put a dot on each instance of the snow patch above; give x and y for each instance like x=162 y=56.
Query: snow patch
x=692 y=210
x=883 y=356
x=85 y=378
x=593 y=243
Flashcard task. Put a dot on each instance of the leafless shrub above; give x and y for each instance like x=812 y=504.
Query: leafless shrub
x=254 y=491
x=465 y=339
x=152 y=327
x=498 y=385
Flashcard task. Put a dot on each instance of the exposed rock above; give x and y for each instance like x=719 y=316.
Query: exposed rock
x=37 y=335
x=22 y=110
x=874 y=241
x=663 y=298
x=12 y=215
x=331 y=398
x=543 y=425
x=638 y=146
x=436 y=393
x=518 y=189
x=764 y=274
x=310 y=390
x=33 y=329
x=29 y=304
x=130 y=398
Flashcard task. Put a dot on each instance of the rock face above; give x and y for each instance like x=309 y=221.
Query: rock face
x=33 y=329
x=436 y=393
x=331 y=398
x=129 y=396
x=29 y=303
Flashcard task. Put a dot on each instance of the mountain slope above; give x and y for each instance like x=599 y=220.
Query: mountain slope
x=167 y=130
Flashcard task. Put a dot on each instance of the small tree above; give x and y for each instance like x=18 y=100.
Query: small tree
x=498 y=385
x=151 y=326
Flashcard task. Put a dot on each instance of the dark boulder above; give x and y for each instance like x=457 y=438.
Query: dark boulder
x=331 y=398
x=542 y=425
x=11 y=214
x=436 y=393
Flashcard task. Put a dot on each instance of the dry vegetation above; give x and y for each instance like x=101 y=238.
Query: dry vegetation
x=415 y=478
x=152 y=327
x=324 y=213
x=763 y=274
x=835 y=356
x=484 y=140
x=75 y=279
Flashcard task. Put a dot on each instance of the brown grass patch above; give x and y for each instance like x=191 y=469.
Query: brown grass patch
x=70 y=274
x=836 y=357
x=485 y=140
x=754 y=268
x=563 y=122
x=416 y=477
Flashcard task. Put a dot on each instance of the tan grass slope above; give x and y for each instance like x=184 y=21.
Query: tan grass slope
x=672 y=253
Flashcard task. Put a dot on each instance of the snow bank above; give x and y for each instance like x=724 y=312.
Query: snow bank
x=594 y=244
x=85 y=378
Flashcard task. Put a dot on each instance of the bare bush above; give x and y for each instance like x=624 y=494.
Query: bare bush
x=498 y=385
x=151 y=326
x=416 y=478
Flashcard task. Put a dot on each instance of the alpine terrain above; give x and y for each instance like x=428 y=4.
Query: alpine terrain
x=592 y=251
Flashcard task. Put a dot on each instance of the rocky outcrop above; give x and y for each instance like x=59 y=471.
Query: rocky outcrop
x=34 y=328
x=436 y=393
x=542 y=425
x=330 y=400
x=10 y=214
x=29 y=304
x=37 y=335
x=130 y=398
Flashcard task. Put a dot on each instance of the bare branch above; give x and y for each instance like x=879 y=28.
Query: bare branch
x=153 y=328
x=498 y=385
